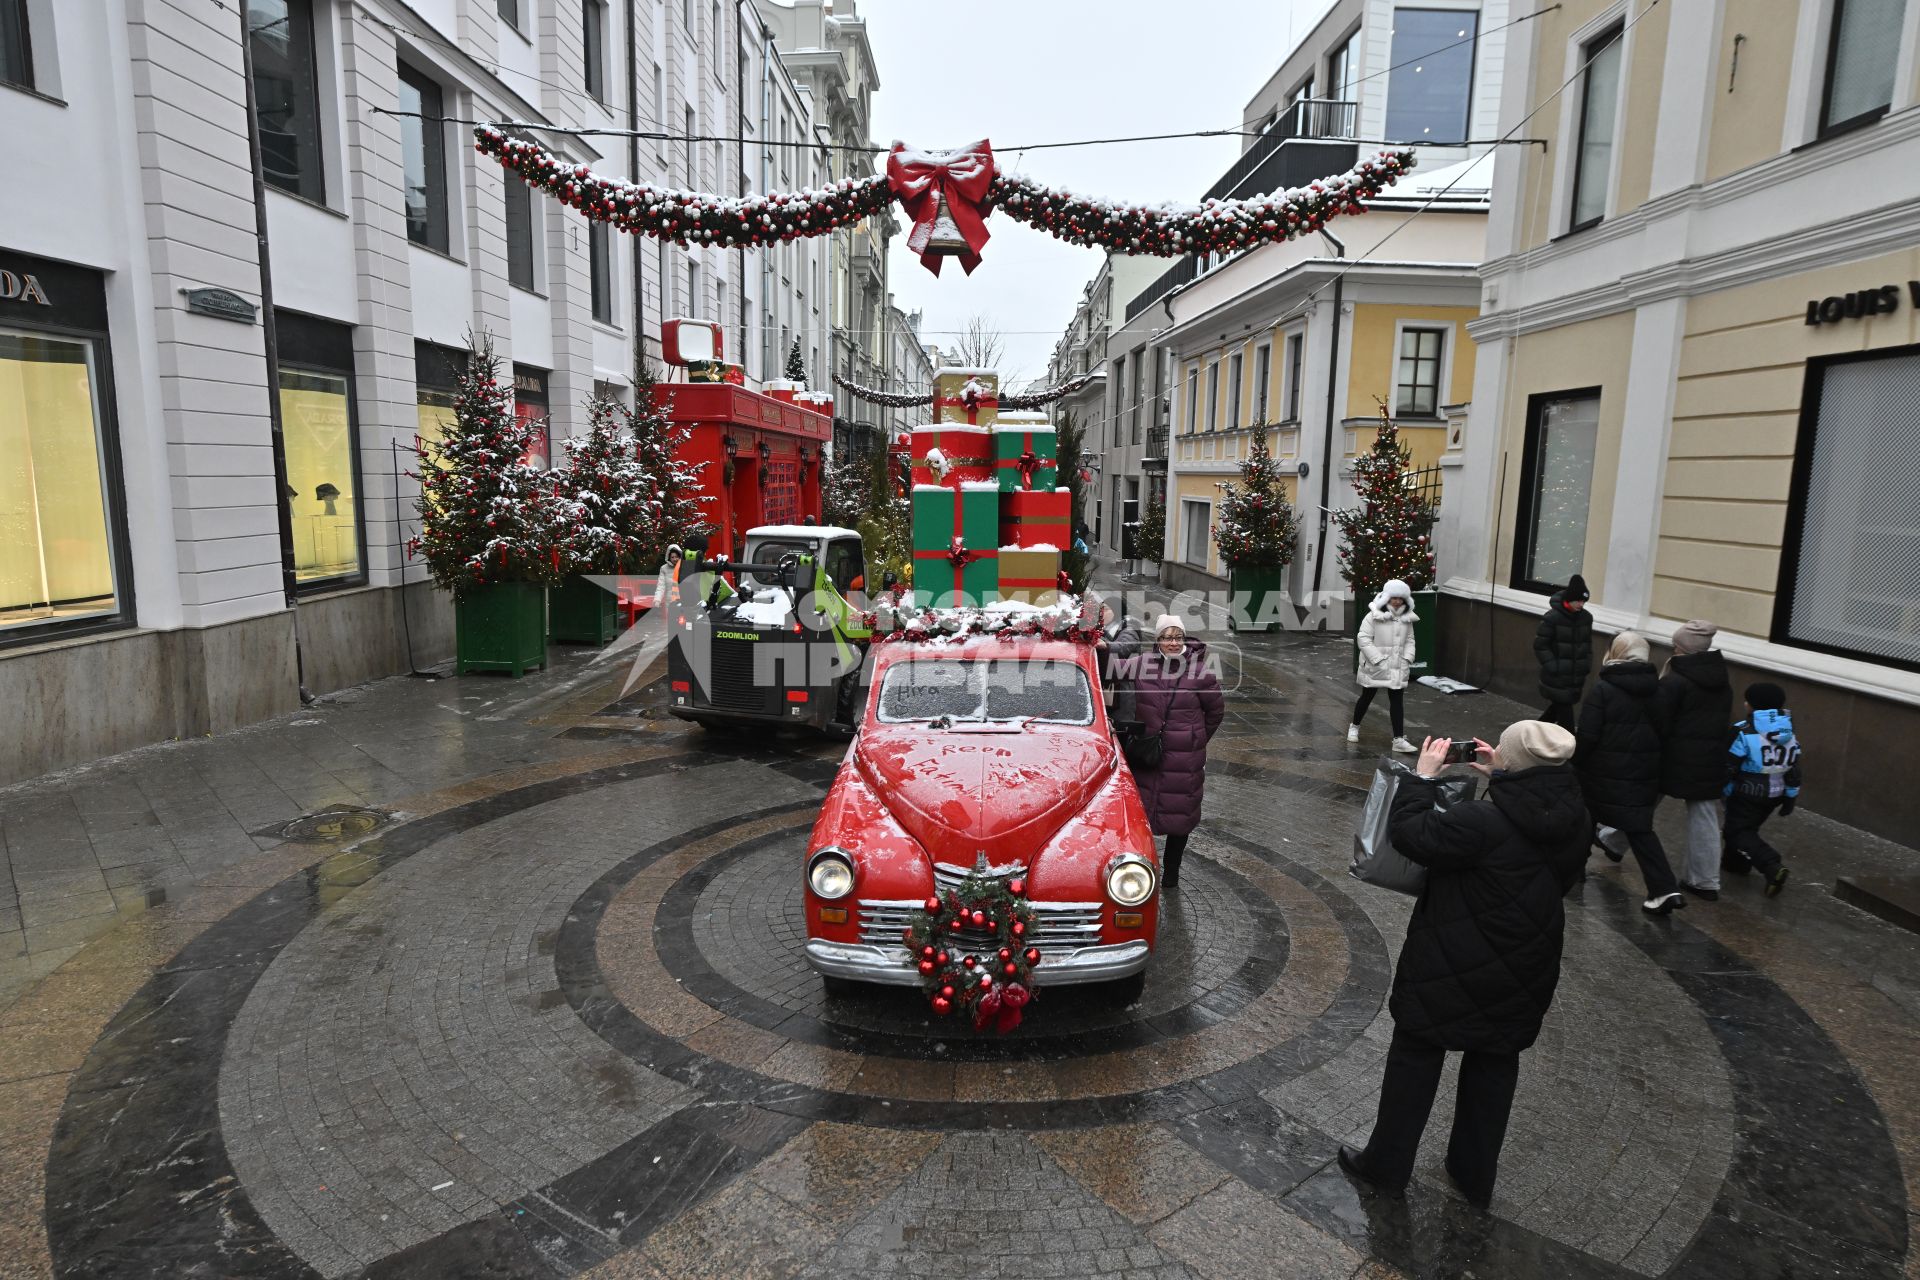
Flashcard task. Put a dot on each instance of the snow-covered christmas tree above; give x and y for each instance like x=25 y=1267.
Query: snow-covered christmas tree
x=1151 y=541
x=1388 y=534
x=1256 y=528
x=612 y=514
x=673 y=483
x=485 y=515
x=844 y=490
x=796 y=366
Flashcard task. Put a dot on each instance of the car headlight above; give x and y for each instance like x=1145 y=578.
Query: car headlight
x=830 y=873
x=1130 y=880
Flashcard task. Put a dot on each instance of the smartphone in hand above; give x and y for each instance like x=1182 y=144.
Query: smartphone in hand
x=1462 y=751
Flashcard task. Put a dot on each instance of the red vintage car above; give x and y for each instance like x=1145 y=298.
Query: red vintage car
x=983 y=755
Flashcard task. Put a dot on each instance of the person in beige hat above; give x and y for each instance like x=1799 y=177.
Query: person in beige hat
x=1482 y=957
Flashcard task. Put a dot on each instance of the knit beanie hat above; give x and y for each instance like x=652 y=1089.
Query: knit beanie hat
x=1168 y=622
x=1527 y=744
x=1576 y=589
x=1628 y=646
x=1695 y=636
x=1766 y=697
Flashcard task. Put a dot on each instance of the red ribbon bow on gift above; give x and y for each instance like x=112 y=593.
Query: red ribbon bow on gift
x=1026 y=464
x=918 y=180
x=960 y=556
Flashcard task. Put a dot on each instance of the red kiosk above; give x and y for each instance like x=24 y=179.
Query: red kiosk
x=763 y=454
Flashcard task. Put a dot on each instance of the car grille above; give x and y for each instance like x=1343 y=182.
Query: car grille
x=1057 y=926
x=731 y=685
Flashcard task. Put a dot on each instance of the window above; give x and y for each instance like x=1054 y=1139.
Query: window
x=1196 y=518
x=1213 y=396
x=1193 y=401
x=1599 y=105
x=436 y=382
x=1863 y=49
x=1296 y=358
x=530 y=405
x=423 y=159
x=694 y=299
x=1340 y=71
x=16 y=49
x=593 y=15
x=1119 y=399
x=1416 y=388
x=286 y=95
x=600 y=269
x=57 y=540
x=519 y=232
x=1430 y=89
x=693 y=182
x=509 y=11
x=1001 y=689
x=1853 y=518
x=321 y=441
x=1133 y=409
x=1556 y=480
x=660 y=109
x=1235 y=369
x=1262 y=374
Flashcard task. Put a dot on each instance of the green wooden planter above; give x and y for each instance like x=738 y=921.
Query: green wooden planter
x=501 y=627
x=1426 y=630
x=579 y=612
x=1258 y=583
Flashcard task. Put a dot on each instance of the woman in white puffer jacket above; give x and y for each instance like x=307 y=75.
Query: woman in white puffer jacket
x=1386 y=659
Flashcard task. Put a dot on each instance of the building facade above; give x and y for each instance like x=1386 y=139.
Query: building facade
x=1303 y=342
x=823 y=44
x=1698 y=388
x=241 y=254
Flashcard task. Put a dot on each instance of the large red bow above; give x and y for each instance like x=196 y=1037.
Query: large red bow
x=918 y=180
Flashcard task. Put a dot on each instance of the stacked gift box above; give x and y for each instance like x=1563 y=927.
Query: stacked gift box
x=988 y=520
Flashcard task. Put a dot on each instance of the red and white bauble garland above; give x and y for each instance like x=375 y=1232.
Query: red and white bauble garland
x=923 y=183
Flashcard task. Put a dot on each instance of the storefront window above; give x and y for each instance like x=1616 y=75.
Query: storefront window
x=56 y=544
x=1853 y=531
x=530 y=406
x=1556 y=485
x=322 y=493
x=436 y=377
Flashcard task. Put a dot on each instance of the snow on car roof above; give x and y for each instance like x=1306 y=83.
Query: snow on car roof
x=800 y=531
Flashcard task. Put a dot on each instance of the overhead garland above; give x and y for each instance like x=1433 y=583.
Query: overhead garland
x=901 y=400
x=949 y=196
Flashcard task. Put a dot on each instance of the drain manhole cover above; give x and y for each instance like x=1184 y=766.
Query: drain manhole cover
x=329 y=825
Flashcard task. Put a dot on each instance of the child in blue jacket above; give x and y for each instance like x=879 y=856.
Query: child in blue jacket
x=1763 y=768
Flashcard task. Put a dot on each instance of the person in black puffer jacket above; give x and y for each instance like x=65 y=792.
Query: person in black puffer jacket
x=1696 y=705
x=1482 y=957
x=1618 y=759
x=1564 y=645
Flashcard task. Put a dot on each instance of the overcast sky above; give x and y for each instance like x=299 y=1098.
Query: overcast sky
x=1027 y=71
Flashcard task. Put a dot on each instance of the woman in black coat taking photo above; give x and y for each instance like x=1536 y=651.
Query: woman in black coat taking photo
x=1618 y=760
x=1482 y=957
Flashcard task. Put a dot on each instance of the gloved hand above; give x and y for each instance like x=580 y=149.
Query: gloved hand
x=1786 y=806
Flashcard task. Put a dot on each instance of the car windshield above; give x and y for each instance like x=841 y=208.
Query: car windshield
x=771 y=551
x=998 y=689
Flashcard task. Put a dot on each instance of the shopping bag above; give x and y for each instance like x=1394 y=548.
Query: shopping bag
x=1375 y=860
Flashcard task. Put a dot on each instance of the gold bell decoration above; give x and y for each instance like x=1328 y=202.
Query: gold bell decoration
x=945 y=239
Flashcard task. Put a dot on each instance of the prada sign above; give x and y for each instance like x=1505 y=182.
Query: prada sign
x=22 y=286
x=1865 y=302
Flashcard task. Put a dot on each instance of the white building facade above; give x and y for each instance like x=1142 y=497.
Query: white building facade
x=213 y=371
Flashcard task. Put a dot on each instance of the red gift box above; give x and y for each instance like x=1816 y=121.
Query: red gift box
x=968 y=452
x=1036 y=518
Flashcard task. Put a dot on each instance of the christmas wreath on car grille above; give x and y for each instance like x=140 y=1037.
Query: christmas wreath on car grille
x=974 y=946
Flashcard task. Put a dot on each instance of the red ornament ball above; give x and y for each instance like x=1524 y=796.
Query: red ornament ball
x=1033 y=955
x=942 y=1005
x=986 y=980
x=969 y=962
x=941 y=958
x=927 y=952
x=908 y=935
x=933 y=906
x=979 y=918
x=926 y=968
x=1016 y=887
x=1006 y=953
x=1011 y=968
x=947 y=990
x=1019 y=929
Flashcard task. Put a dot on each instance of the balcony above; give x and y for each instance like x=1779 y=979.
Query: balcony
x=1156 y=445
x=1309 y=141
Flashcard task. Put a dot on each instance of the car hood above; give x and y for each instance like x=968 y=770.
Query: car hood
x=962 y=793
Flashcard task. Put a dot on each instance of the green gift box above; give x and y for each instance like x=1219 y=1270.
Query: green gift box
x=955 y=543
x=1026 y=456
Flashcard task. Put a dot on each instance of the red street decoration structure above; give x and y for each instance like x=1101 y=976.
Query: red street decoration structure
x=901 y=400
x=974 y=951
x=949 y=195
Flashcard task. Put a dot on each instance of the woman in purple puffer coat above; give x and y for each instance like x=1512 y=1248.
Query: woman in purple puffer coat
x=1178 y=697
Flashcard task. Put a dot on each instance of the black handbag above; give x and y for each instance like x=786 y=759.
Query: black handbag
x=1143 y=750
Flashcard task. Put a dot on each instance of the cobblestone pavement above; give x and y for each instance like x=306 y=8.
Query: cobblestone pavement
x=483 y=978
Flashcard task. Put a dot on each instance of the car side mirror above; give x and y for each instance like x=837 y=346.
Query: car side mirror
x=859 y=582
